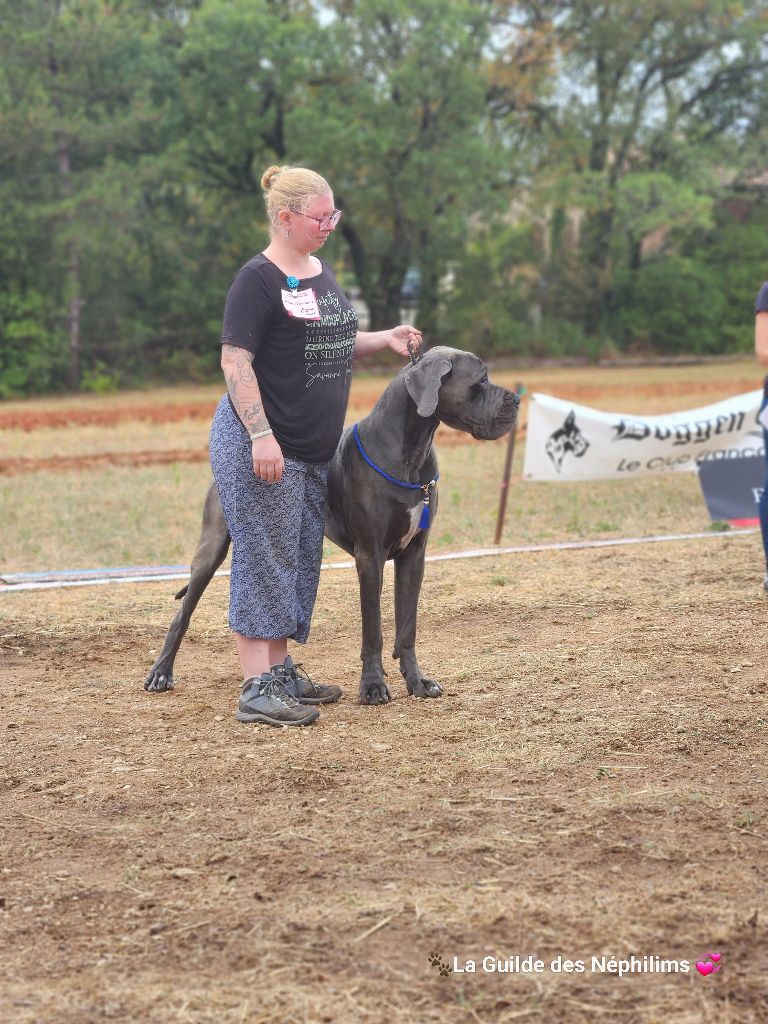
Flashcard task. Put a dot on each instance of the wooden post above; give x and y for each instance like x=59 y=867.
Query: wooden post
x=507 y=473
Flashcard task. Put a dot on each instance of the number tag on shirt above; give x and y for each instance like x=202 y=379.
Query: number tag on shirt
x=301 y=304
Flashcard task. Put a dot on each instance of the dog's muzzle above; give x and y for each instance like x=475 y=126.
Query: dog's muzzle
x=501 y=417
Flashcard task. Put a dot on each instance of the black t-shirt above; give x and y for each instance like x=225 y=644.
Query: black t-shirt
x=302 y=347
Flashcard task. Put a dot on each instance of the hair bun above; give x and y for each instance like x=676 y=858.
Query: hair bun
x=290 y=188
x=269 y=176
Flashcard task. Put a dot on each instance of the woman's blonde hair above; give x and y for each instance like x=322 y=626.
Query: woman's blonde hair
x=290 y=188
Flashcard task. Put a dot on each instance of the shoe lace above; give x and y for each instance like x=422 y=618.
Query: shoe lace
x=299 y=672
x=275 y=688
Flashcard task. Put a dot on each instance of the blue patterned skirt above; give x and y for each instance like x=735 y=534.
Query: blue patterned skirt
x=276 y=531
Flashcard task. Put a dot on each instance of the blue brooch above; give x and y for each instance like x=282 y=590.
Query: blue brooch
x=292 y=282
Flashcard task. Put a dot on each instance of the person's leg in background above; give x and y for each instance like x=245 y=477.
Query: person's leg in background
x=762 y=507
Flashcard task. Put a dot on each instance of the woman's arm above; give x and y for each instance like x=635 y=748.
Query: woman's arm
x=761 y=338
x=397 y=339
x=243 y=388
x=246 y=398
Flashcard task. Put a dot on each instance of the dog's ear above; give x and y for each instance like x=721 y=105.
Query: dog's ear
x=423 y=381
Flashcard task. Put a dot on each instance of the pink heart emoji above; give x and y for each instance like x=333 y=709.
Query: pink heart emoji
x=703 y=968
x=714 y=956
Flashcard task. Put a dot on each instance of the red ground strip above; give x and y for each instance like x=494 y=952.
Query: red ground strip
x=37 y=419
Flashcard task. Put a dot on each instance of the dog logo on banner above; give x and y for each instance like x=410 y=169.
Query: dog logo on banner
x=567 y=438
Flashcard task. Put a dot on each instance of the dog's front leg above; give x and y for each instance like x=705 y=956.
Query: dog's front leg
x=370 y=572
x=409 y=573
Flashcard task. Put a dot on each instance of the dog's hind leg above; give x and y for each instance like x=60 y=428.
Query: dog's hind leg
x=409 y=573
x=211 y=551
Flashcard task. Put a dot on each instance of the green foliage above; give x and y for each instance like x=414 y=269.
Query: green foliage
x=243 y=66
x=32 y=359
x=672 y=305
x=579 y=172
x=399 y=123
x=635 y=134
x=652 y=204
x=735 y=250
x=489 y=307
x=100 y=380
x=502 y=305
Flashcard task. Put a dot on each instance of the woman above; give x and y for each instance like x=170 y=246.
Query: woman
x=288 y=340
x=761 y=351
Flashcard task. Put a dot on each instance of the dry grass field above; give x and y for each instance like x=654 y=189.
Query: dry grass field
x=592 y=783
x=119 y=480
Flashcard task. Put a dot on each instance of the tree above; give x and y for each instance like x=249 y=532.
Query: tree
x=642 y=90
x=244 y=64
x=76 y=95
x=396 y=118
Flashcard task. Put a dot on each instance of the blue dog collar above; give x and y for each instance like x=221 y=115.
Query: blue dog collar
x=425 y=518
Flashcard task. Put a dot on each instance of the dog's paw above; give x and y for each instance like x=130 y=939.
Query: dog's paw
x=423 y=687
x=158 y=682
x=375 y=692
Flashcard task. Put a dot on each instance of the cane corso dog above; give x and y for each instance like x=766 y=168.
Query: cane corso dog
x=382 y=497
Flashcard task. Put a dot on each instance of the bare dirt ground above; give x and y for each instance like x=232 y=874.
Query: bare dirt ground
x=591 y=783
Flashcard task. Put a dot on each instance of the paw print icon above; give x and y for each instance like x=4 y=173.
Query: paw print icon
x=436 y=961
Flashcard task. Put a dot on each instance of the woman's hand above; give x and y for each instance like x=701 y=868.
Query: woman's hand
x=268 y=462
x=397 y=339
x=761 y=338
x=401 y=336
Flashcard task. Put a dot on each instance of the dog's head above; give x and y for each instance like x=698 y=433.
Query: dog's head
x=453 y=386
x=567 y=439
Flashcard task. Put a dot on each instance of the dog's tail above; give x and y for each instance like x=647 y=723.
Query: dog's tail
x=182 y=592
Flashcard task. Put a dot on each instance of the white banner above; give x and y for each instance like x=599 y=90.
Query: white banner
x=573 y=442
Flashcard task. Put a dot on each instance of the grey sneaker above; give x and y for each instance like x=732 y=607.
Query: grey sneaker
x=265 y=698
x=301 y=687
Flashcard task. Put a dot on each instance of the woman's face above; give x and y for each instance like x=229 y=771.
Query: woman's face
x=310 y=228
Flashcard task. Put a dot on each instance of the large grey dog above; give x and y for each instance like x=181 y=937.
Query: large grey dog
x=374 y=517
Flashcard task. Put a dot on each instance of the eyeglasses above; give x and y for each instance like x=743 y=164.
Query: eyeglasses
x=329 y=221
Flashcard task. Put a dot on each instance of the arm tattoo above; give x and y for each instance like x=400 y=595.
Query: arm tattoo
x=243 y=388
